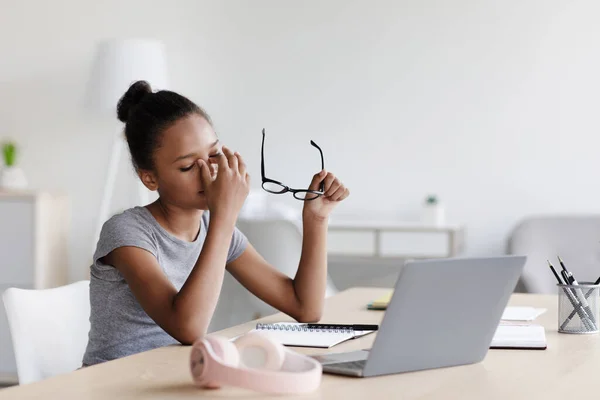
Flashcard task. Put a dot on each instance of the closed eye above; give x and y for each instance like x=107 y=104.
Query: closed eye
x=185 y=169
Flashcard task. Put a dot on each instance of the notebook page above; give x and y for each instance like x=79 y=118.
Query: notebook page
x=300 y=338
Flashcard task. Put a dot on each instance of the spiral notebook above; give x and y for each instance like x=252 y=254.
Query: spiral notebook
x=300 y=335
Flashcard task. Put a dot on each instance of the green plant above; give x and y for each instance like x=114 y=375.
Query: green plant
x=10 y=153
x=431 y=199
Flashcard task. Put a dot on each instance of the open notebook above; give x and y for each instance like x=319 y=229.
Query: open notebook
x=299 y=335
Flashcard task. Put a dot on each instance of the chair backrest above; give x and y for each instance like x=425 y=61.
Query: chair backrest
x=49 y=329
x=576 y=239
x=279 y=242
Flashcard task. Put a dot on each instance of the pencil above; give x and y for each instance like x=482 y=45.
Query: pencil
x=555 y=274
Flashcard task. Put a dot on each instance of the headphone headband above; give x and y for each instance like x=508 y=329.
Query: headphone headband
x=298 y=374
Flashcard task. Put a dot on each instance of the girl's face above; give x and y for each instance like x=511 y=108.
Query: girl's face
x=177 y=174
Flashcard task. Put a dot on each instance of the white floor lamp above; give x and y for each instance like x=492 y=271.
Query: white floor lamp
x=117 y=64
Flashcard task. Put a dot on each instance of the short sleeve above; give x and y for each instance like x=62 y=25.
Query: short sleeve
x=123 y=230
x=239 y=242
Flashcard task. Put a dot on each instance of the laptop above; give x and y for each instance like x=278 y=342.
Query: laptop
x=442 y=313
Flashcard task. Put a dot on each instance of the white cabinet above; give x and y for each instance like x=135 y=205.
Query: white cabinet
x=371 y=252
x=33 y=253
x=392 y=239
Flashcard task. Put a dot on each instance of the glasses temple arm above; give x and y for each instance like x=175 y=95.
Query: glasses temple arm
x=262 y=155
x=322 y=186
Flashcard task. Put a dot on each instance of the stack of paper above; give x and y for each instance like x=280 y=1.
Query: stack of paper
x=520 y=315
x=519 y=337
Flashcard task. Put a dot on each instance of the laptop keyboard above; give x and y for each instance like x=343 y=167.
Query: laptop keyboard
x=352 y=365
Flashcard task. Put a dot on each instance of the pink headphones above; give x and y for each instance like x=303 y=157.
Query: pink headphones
x=253 y=361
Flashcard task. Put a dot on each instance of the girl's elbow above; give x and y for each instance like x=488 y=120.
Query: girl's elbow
x=186 y=340
x=309 y=320
x=309 y=316
x=190 y=333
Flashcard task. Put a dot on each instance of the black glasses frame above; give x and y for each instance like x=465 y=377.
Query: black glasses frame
x=309 y=194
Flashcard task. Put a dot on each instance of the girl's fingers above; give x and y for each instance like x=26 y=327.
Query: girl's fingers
x=328 y=181
x=346 y=194
x=335 y=185
x=316 y=181
x=232 y=160
x=205 y=177
x=222 y=163
x=241 y=164
x=337 y=195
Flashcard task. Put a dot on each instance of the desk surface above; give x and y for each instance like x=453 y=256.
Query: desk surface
x=570 y=366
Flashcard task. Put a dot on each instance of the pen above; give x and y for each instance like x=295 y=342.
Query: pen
x=576 y=307
x=355 y=327
x=560 y=282
x=569 y=278
x=565 y=277
x=562 y=264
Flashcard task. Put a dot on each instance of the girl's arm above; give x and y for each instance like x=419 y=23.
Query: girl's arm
x=303 y=296
x=186 y=314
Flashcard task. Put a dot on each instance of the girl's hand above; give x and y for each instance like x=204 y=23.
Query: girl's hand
x=226 y=193
x=334 y=192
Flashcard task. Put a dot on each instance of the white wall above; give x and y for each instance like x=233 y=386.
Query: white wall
x=492 y=105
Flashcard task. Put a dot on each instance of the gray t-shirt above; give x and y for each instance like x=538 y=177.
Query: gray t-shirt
x=119 y=325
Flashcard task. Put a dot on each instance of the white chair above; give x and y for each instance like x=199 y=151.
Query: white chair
x=49 y=329
x=279 y=241
x=275 y=230
x=575 y=238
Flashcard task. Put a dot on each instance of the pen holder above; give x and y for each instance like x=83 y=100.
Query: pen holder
x=578 y=308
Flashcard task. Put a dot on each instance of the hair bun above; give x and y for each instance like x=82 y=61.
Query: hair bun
x=131 y=98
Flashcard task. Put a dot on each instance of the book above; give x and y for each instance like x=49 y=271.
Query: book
x=519 y=337
x=302 y=335
x=381 y=302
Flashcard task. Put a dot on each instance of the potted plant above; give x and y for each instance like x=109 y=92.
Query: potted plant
x=11 y=175
x=433 y=211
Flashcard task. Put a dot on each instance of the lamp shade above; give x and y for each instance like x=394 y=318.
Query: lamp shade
x=120 y=62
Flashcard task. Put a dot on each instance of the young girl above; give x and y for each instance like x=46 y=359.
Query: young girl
x=158 y=269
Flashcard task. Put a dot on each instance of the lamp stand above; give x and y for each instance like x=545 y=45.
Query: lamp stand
x=109 y=185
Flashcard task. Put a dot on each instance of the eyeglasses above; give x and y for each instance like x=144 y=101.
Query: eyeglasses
x=276 y=187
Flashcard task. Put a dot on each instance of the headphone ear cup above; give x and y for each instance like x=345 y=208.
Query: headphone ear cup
x=259 y=350
x=224 y=350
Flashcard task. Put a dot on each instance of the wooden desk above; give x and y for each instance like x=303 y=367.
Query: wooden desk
x=569 y=368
